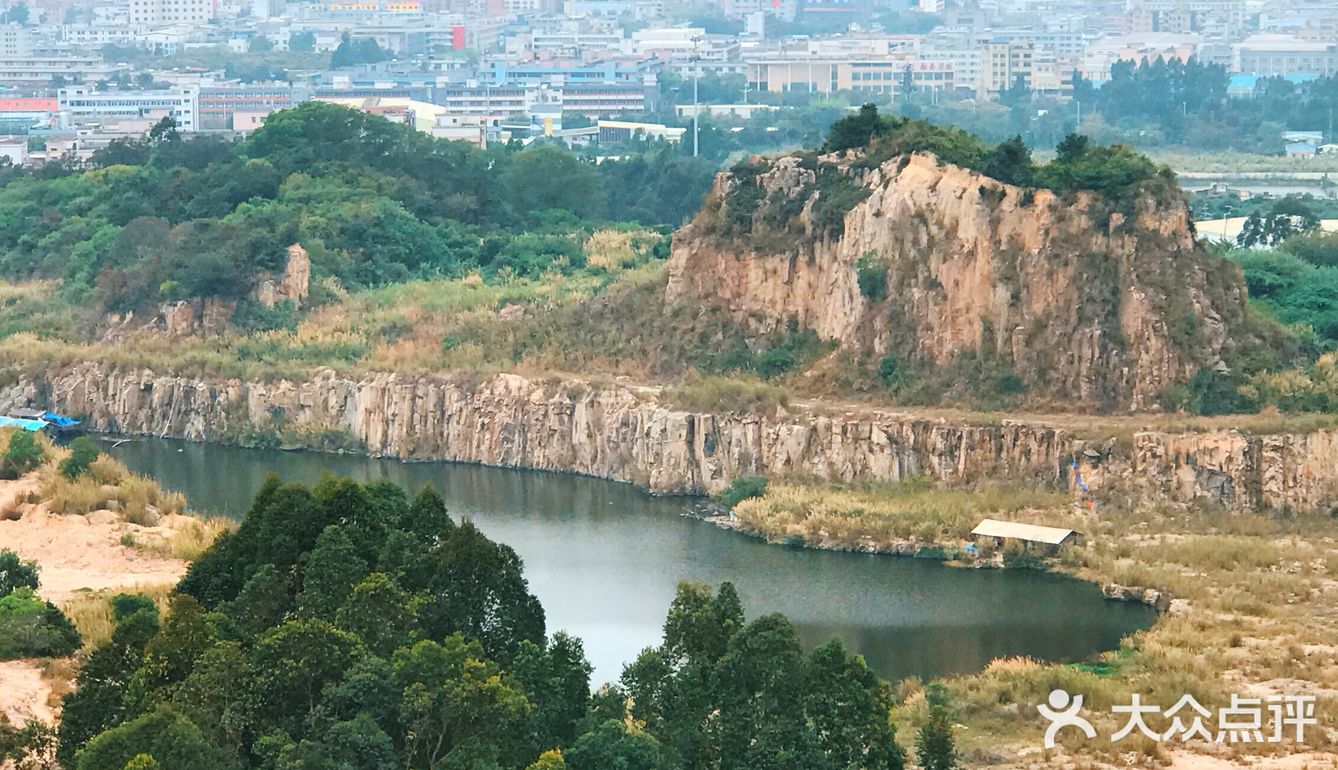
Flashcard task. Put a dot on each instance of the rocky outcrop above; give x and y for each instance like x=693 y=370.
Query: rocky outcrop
x=1091 y=307
x=195 y=316
x=624 y=433
x=292 y=285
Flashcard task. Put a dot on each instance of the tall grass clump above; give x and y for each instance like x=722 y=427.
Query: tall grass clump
x=882 y=514
x=728 y=394
x=93 y=616
x=108 y=485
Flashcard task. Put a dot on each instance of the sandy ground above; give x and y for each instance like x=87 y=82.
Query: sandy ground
x=79 y=552
x=24 y=693
x=75 y=553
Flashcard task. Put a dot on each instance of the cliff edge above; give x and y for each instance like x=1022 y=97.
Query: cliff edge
x=1093 y=305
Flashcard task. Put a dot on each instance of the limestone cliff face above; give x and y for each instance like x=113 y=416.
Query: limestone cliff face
x=1093 y=308
x=623 y=433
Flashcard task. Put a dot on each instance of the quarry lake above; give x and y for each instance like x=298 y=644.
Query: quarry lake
x=605 y=559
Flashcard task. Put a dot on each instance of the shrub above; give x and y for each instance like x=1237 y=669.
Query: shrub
x=23 y=454
x=83 y=451
x=774 y=362
x=871 y=275
x=32 y=628
x=1016 y=555
x=740 y=489
x=724 y=394
x=16 y=573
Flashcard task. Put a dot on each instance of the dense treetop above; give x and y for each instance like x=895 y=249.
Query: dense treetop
x=1115 y=171
x=353 y=628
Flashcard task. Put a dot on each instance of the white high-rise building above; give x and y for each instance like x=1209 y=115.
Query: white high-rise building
x=156 y=13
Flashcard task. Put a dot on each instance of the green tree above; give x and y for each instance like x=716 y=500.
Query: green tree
x=478 y=588
x=1010 y=162
x=289 y=667
x=83 y=451
x=557 y=680
x=356 y=744
x=549 y=760
x=427 y=515
x=22 y=454
x=848 y=707
x=98 y=702
x=31 y=627
x=15 y=573
x=759 y=686
x=332 y=567
x=610 y=746
x=455 y=700
x=546 y=177
x=384 y=615
x=165 y=735
x=934 y=743
x=302 y=42
x=1316 y=248
x=855 y=131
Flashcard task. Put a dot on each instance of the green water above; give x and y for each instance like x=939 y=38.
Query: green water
x=605 y=560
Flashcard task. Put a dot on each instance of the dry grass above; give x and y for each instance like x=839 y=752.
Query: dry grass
x=91 y=611
x=186 y=538
x=883 y=514
x=1257 y=609
x=107 y=486
x=727 y=394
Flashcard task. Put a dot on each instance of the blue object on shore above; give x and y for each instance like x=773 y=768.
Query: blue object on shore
x=62 y=423
x=23 y=424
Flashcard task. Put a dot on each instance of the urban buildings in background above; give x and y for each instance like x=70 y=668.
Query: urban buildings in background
x=77 y=74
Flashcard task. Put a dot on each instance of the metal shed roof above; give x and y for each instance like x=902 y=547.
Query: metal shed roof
x=1017 y=531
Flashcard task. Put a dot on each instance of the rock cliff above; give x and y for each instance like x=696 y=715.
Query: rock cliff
x=1092 y=307
x=624 y=433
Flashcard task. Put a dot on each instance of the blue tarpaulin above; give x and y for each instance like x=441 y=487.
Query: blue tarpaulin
x=19 y=422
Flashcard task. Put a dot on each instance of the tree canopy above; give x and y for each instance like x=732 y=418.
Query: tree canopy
x=351 y=627
x=173 y=217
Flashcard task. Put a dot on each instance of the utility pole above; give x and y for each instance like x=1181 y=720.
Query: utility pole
x=696 y=108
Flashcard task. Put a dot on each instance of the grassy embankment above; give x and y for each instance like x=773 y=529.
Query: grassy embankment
x=1257 y=608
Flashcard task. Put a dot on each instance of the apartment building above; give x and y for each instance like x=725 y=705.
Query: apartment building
x=157 y=13
x=220 y=103
x=42 y=71
x=84 y=104
x=17 y=40
x=1002 y=65
x=1281 y=55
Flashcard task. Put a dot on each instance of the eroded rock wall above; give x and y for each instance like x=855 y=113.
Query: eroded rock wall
x=623 y=433
x=1093 y=308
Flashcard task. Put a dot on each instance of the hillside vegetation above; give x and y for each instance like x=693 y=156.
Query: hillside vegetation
x=436 y=256
x=169 y=218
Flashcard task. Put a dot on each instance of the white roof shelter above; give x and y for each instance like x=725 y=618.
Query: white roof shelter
x=1016 y=531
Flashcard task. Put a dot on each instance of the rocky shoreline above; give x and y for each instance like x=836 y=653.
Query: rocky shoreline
x=624 y=432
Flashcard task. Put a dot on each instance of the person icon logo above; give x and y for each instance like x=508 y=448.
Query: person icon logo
x=1062 y=712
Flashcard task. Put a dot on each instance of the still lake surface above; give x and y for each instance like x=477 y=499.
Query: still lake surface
x=605 y=559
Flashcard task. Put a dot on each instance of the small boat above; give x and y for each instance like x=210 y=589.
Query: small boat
x=42 y=420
